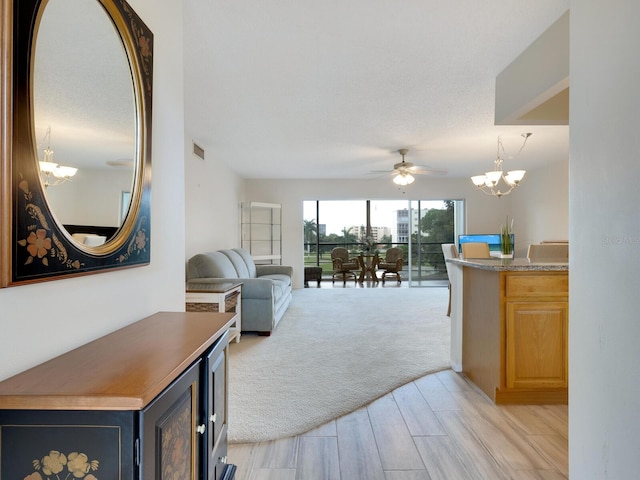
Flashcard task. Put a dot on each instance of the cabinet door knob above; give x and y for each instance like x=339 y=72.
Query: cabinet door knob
x=201 y=428
x=213 y=418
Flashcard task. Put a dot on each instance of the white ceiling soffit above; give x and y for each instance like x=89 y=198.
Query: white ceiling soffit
x=333 y=89
x=534 y=88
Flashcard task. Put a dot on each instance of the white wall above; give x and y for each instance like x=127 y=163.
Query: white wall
x=213 y=197
x=604 y=234
x=99 y=191
x=43 y=320
x=543 y=206
x=484 y=214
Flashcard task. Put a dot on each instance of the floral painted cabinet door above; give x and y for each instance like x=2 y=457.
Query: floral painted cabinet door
x=170 y=431
x=154 y=410
x=37 y=445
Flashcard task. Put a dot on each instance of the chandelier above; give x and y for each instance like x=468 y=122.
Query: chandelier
x=489 y=182
x=50 y=172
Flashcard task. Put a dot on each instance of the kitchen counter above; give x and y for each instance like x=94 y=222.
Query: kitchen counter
x=511 y=264
x=510 y=330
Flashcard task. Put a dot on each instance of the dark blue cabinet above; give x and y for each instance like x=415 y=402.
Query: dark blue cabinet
x=180 y=433
x=215 y=435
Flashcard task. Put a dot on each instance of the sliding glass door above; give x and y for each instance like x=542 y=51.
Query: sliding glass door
x=417 y=227
x=329 y=224
x=432 y=224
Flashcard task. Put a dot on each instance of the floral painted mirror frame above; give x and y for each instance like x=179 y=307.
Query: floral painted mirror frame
x=33 y=246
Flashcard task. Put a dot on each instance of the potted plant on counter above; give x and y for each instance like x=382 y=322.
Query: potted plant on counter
x=506 y=241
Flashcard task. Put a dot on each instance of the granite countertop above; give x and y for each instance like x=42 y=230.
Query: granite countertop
x=513 y=265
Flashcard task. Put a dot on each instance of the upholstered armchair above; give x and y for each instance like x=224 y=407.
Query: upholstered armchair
x=343 y=265
x=449 y=250
x=475 y=250
x=392 y=263
x=545 y=252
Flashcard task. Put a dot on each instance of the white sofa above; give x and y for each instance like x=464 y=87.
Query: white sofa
x=266 y=289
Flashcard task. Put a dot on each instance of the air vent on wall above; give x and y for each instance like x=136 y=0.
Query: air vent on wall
x=198 y=151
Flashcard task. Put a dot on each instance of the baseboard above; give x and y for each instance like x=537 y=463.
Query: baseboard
x=456 y=367
x=533 y=397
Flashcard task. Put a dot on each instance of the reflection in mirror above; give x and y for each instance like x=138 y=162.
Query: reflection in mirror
x=101 y=126
x=85 y=121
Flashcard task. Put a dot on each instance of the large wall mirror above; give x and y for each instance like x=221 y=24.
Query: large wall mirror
x=79 y=139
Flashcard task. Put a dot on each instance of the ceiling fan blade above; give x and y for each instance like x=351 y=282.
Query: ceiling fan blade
x=426 y=170
x=412 y=170
x=405 y=167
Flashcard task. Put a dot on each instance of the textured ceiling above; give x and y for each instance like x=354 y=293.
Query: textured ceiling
x=91 y=115
x=332 y=89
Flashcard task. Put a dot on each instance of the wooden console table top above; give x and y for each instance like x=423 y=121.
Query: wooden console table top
x=123 y=370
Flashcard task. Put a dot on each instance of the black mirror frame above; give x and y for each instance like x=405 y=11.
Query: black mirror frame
x=33 y=246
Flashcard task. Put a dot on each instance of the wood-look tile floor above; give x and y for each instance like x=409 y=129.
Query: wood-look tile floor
x=437 y=427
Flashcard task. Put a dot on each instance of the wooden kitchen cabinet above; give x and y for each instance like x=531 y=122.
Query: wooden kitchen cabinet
x=148 y=401
x=536 y=340
x=515 y=330
x=536 y=330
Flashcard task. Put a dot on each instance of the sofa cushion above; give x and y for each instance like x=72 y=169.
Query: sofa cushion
x=278 y=278
x=280 y=286
x=211 y=264
x=239 y=263
x=248 y=260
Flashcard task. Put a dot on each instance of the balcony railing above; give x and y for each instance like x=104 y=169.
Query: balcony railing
x=427 y=260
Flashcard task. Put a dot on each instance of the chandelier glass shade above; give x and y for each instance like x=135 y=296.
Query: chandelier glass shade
x=50 y=172
x=490 y=182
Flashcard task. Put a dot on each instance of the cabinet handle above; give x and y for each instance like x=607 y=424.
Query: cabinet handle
x=213 y=418
x=223 y=459
x=201 y=428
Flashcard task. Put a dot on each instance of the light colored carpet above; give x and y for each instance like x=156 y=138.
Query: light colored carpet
x=334 y=351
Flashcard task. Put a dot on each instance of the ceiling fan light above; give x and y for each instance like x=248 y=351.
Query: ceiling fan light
x=403 y=179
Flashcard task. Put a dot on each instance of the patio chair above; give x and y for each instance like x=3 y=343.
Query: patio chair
x=392 y=263
x=343 y=265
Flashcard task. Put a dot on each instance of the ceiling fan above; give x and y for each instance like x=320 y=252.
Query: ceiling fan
x=404 y=171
